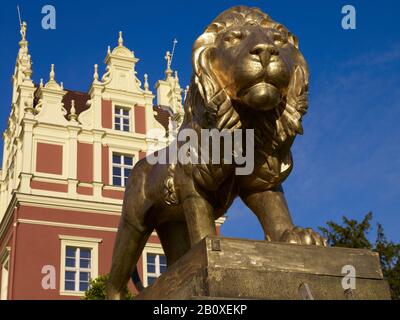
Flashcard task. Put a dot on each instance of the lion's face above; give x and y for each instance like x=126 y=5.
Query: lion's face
x=255 y=63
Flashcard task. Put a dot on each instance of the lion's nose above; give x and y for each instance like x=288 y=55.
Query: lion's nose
x=263 y=48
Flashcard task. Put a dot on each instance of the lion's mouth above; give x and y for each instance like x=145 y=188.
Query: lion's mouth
x=255 y=85
x=262 y=96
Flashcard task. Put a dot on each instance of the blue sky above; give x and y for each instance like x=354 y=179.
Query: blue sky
x=347 y=162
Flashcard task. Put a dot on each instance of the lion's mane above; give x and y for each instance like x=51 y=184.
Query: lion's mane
x=208 y=106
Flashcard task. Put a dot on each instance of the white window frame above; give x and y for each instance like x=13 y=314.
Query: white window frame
x=78 y=242
x=116 y=148
x=152 y=248
x=121 y=116
x=122 y=166
x=5 y=273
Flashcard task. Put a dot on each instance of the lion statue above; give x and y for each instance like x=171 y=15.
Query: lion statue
x=248 y=74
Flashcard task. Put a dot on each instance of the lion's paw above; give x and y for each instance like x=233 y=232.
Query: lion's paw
x=305 y=236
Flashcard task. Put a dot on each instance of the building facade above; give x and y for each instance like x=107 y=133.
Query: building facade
x=67 y=156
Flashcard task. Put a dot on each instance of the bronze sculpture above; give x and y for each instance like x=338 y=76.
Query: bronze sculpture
x=248 y=74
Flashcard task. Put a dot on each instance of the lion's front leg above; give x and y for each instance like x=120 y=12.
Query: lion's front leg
x=199 y=218
x=272 y=211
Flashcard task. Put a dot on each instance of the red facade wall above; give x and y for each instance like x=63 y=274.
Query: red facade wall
x=104 y=165
x=58 y=187
x=88 y=191
x=68 y=216
x=114 y=194
x=39 y=245
x=106 y=114
x=49 y=158
x=140 y=119
x=85 y=162
x=154 y=239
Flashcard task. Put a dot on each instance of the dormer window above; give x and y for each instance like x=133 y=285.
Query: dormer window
x=121 y=119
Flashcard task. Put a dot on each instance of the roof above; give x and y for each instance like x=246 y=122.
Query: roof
x=80 y=98
x=162 y=116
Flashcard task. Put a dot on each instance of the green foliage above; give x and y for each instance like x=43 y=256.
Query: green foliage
x=353 y=234
x=97 y=289
x=389 y=254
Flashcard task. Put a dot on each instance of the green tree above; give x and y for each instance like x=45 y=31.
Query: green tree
x=353 y=234
x=97 y=289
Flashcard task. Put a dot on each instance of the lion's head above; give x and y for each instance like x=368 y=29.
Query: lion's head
x=246 y=60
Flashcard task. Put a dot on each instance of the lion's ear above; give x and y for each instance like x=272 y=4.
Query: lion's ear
x=293 y=40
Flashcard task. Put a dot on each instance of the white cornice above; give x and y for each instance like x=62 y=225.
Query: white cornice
x=125 y=96
x=74 y=238
x=70 y=204
x=66 y=225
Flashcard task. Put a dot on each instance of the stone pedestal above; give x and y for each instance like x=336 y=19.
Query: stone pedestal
x=223 y=268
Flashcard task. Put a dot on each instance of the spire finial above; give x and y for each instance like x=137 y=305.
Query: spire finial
x=173 y=48
x=170 y=125
x=108 y=50
x=23 y=30
x=41 y=83
x=22 y=25
x=146 y=82
x=96 y=74
x=168 y=71
x=24 y=59
x=72 y=116
x=169 y=56
x=120 y=39
x=62 y=85
x=52 y=73
x=73 y=110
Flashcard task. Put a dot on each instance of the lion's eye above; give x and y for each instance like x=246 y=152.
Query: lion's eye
x=280 y=38
x=234 y=37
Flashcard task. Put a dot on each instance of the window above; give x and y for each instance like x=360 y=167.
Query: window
x=79 y=264
x=121 y=119
x=4 y=276
x=122 y=166
x=156 y=265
